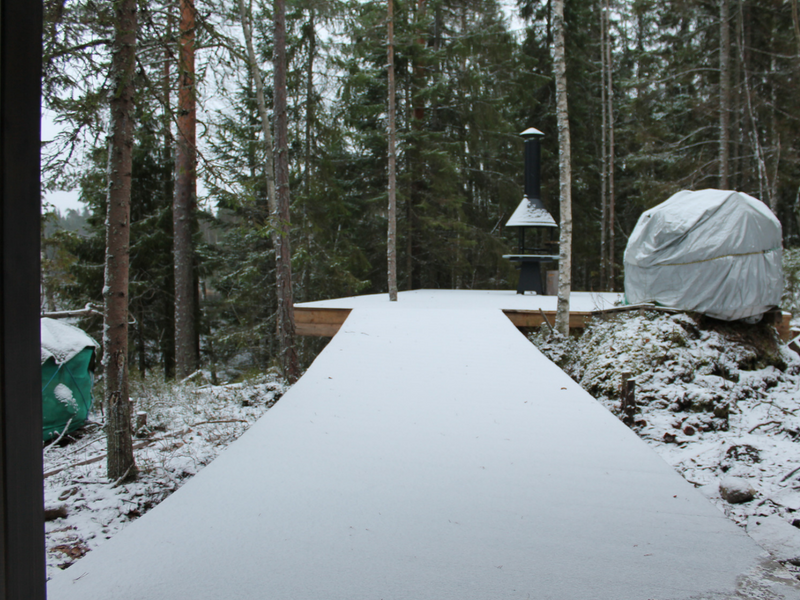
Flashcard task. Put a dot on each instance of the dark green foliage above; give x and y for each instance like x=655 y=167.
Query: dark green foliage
x=151 y=306
x=459 y=153
x=469 y=80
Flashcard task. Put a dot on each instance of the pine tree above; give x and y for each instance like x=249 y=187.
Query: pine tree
x=186 y=355
x=281 y=217
x=391 y=236
x=121 y=464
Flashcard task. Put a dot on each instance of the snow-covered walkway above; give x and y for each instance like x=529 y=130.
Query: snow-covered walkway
x=431 y=454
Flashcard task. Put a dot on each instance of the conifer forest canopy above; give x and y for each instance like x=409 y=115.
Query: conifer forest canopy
x=663 y=95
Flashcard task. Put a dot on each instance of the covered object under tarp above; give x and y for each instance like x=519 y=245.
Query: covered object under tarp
x=717 y=252
x=68 y=358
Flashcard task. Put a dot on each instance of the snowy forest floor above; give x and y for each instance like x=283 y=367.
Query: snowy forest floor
x=188 y=425
x=714 y=400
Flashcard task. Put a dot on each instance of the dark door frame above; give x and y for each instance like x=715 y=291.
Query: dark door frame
x=22 y=548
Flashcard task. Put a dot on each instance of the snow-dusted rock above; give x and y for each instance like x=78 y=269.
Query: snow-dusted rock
x=736 y=490
x=778 y=537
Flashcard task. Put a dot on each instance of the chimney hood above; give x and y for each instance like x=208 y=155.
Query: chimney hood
x=531 y=211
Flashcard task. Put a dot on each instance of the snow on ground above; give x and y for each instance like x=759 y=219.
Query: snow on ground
x=188 y=425
x=437 y=455
x=715 y=400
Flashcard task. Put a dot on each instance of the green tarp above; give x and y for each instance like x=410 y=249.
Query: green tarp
x=66 y=393
x=67 y=377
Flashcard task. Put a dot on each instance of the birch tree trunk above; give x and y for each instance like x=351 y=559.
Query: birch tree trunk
x=391 y=238
x=269 y=167
x=281 y=218
x=724 y=92
x=120 y=461
x=186 y=356
x=564 y=169
x=763 y=176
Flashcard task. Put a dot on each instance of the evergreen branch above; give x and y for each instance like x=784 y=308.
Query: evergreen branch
x=78 y=48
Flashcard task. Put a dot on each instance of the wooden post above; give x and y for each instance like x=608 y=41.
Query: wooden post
x=22 y=552
x=141 y=424
x=628 y=397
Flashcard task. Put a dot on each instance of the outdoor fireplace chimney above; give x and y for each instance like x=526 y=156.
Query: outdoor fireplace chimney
x=531 y=211
x=531 y=214
x=533 y=157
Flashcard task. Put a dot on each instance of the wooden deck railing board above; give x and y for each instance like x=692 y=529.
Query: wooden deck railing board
x=326 y=322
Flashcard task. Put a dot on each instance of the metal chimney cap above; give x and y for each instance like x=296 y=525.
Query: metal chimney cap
x=531 y=132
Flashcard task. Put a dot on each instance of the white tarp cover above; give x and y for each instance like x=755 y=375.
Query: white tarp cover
x=63 y=341
x=717 y=252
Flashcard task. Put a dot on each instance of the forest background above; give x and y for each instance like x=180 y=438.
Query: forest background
x=663 y=96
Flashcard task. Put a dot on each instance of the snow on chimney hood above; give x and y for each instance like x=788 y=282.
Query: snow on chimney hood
x=531 y=211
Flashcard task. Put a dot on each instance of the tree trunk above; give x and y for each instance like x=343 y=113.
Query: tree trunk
x=168 y=336
x=775 y=134
x=283 y=253
x=724 y=93
x=740 y=171
x=416 y=160
x=611 y=199
x=140 y=343
x=278 y=207
x=312 y=49
x=763 y=177
x=186 y=358
x=120 y=461
x=391 y=240
x=604 y=153
x=269 y=167
x=564 y=169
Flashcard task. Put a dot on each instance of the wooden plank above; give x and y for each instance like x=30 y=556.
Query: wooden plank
x=335 y=316
x=326 y=322
x=530 y=318
x=319 y=322
x=317 y=329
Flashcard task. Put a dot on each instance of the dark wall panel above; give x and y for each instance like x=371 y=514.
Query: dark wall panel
x=22 y=567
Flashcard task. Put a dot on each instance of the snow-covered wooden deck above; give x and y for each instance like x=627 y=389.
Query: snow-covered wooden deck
x=432 y=455
x=325 y=317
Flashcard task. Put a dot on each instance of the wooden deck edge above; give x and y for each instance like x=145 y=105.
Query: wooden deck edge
x=319 y=322
x=534 y=318
x=326 y=322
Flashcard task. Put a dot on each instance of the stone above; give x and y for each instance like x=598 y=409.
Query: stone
x=736 y=490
